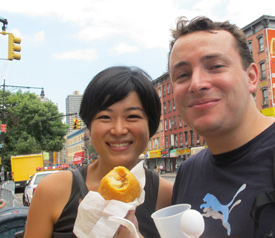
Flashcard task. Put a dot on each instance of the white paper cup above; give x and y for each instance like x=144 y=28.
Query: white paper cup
x=168 y=220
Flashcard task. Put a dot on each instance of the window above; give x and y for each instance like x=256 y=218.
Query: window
x=181 y=139
x=159 y=91
x=170 y=123
x=261 y=43
x=176 y=140
x=172 y=140
x=198 y=139
x=164 y=108
x=174 y=105
x=164 y=92
x=175 y=122
x=168 y=88
x=166 y=142
x=180 y=122
x=186 y=138
x=250 y=46
x=160 y=125
x=265 y=97
x=263 y=71
x=165 y=124
x=169 y=106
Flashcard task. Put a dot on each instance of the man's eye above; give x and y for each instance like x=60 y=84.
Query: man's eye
x=217 y=66
x=183 y=75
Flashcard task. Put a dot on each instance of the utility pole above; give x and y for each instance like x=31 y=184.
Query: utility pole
x=3 y=135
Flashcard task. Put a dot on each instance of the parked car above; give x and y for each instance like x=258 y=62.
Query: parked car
x=31 y=185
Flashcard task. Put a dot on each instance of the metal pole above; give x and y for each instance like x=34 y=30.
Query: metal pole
x=3 y=134
x=84 y=147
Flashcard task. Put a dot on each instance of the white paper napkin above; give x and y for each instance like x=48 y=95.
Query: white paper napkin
x=94 y=210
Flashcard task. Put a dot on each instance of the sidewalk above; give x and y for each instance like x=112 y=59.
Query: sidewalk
x=168 y=174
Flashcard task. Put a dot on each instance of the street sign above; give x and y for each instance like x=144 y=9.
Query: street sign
x=3 y=127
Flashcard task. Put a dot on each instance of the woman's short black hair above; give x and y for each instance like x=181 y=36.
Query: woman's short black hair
x=116 y=83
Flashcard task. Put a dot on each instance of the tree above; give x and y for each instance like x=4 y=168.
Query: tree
x=33 y=126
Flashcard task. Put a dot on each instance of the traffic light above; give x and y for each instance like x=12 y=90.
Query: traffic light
x=78 y=125
x=74 y=123
x=14 y=47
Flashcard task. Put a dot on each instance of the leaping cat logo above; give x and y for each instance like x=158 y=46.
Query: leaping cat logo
x=212 y=207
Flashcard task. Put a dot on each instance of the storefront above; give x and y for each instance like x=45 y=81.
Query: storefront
x=151 y=157
x=78 y=158
x=195 y=150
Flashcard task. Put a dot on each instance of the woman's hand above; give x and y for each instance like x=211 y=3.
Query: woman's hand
x=123 y=232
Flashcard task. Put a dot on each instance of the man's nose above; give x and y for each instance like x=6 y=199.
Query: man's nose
x=199 y=81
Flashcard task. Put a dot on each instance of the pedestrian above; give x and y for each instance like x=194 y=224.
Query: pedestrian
x=214 y=78
x=161 y=168
x=121 y=109
x=177 y=167
x=158 y=169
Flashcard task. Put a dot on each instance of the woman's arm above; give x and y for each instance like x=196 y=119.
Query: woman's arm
x=50 y=197
x=164 y=193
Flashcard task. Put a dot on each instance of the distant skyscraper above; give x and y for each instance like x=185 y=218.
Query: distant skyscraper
x=73 y=102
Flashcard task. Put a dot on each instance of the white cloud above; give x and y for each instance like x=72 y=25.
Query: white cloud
x=123 y=48
x=86 y=54
x=146 y=23
x=37 y=39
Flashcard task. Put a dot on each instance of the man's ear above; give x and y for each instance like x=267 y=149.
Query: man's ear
x=253 y=77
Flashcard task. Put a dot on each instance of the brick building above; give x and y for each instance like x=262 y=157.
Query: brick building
x=261 y=40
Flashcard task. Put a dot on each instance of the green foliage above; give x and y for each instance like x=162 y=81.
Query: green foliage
x=32 y=125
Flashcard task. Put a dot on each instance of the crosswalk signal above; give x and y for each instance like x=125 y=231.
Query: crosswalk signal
x=78 y=124
x=74 y=123
x=14 y=47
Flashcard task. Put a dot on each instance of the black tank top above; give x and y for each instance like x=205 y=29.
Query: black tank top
x=65 y=223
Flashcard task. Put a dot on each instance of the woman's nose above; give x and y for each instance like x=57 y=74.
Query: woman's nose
x=119 y=128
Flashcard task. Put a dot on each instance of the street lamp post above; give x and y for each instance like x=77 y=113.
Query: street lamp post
x=42 y=95
x=87 y=152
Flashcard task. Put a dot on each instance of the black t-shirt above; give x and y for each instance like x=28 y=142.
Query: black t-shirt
x=64 y=225
x=223 y=187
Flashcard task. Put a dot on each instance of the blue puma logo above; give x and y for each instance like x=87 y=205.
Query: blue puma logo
x=212 y=207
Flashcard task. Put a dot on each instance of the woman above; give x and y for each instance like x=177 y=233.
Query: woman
x=122 y=110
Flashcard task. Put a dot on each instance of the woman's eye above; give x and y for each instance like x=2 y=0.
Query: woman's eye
x=103 y=117
x=134 y=116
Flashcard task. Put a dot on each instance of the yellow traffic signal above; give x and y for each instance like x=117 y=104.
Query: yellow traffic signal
x=78 y=126
x=14 y=47
x=74 y=123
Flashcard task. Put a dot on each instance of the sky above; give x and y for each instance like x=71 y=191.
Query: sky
x=66 y=43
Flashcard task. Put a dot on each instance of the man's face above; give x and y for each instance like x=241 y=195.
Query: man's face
x=211 y=88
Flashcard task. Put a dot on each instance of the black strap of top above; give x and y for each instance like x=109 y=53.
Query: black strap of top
x=260 y=202
x=81 y=183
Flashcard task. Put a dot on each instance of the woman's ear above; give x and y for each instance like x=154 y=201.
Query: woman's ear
x=253 y=76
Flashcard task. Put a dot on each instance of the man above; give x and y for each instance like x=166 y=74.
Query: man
x=214 y=77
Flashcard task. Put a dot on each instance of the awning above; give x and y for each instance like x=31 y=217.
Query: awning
x=78 y=157
x=153 y=154
x=179 y=151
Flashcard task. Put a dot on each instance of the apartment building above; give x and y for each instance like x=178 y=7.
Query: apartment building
x=261 y=40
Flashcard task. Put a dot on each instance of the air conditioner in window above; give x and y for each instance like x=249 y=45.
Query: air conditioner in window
x=265 y=102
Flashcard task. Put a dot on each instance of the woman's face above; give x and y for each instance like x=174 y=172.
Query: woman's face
x=120 y=133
